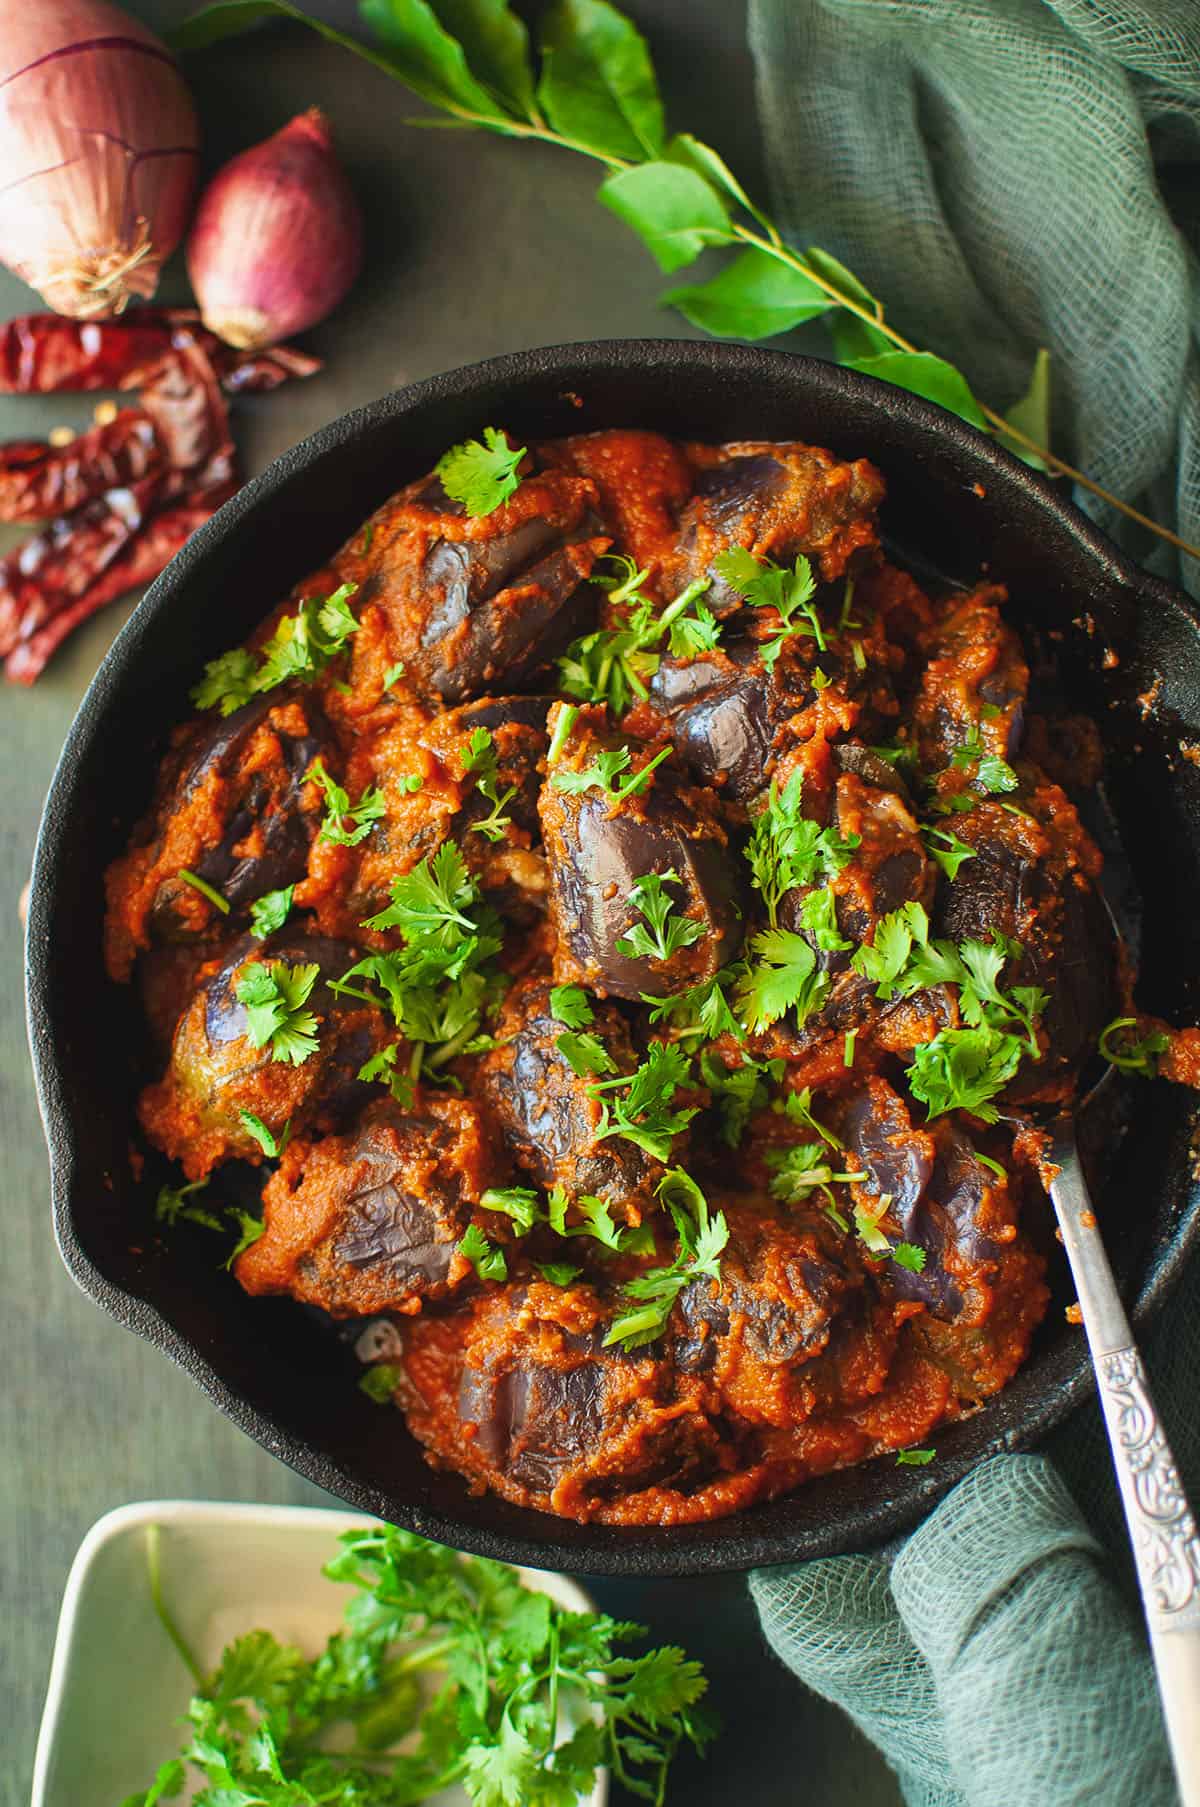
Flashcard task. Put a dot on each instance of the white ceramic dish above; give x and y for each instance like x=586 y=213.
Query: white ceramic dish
x=117 y=1685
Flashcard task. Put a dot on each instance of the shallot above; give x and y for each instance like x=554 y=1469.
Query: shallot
x=277 y=237
x=98 y=147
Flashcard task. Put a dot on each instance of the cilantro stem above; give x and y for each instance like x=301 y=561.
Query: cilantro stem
x=449 y=1049
x=562 y=729
x=154 y=1571
x=205 y=889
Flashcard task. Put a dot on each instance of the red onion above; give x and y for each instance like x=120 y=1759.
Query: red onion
x=98 y=150
x=277 y=238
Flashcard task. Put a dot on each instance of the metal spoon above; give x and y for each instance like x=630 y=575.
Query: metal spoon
x=1162 y=1528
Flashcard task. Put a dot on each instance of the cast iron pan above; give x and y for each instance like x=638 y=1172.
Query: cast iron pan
x=957 y=504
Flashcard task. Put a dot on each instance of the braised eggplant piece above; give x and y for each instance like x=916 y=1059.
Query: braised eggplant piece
x=770 y=1335
x=370 y=1221
x=479 y=604
x=548 y=1414
x=725 y=709
x=777 y=501
x=600 y=845
x=233 y=809
x=1033 y=880
x=215 y=1072
x=545 y=1111
x=973 y=682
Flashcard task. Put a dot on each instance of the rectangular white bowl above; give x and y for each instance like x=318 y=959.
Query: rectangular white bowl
x=118 y=1686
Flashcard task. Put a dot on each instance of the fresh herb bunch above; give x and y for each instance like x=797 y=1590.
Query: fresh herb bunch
x=480 y=1677
x=596 y=93
x=298 y=651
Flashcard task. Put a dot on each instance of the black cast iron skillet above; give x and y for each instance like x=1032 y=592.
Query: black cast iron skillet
x=955 y=503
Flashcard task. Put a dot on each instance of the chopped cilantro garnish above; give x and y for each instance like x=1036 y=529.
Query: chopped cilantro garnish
x=518 y=1202
x=991 y=775
x=380 y=1381
x=479 y=760
x=946 y=848
x=345 y=824
x=769 y=586
x=485 y=1257
x=271 y=1145
x=301 y=647
x=818 y=916
x=701 y=1239
x=615 y=665
x=275 y=997
x=481 y=474
x=914 y=1458
x=604 y=774
x=585 y=1054
x=663 y=933
x=908 y=1255
x=1133 y=1055
x=805 y=1168
x=636 y=1106
x=786 y=849
x=205 y=889
x=557 y=1273
x=393 y=674
x=780 y=976
x=963 y=1069
x=738 y=1091
x=702 y=1011
x=569 y=1005
x=270 y=911
x=171 y=1207
x=429 y=903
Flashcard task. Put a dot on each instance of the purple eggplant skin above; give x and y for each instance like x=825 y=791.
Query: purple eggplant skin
x=535 y=1421
x=273 y=802
x=597 y=852
x=937 y=1185
x=494 y=641
x=543 y=1108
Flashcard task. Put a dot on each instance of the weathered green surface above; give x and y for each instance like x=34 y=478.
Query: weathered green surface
x=475 y=247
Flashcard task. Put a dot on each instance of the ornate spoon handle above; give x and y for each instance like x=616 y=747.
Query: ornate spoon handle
x=1161 y=1526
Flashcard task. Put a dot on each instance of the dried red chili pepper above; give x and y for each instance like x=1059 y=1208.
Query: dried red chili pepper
x=124 y=496
x=38 y=480
x=159 y=541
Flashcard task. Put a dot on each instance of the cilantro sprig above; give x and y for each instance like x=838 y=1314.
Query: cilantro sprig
x=300 y=649
x=765 y=585
x=269 y=912
x=276 y=998
x=738 y=1091
x=176 y=1204
x=652 y=1295
x=480 y=762
x=604 y=774
x=662 y=932
x=787 y=849
x=780 y=975
x=345 y=823
x=454 y=1661
x=637 y=1106
x=615 y=665
x=1136 y=1053
x=481 y=474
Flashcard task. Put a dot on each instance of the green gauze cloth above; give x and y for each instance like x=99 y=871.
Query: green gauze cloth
x=1009 y=174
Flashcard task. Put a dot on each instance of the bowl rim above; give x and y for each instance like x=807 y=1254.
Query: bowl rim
x=914 y=1489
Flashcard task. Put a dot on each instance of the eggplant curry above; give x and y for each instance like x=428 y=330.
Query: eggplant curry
x=636 y=928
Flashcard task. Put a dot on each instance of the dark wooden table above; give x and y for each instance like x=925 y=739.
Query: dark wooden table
x=475 y=246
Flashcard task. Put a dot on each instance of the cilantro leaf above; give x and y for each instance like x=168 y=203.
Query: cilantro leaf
x=738 y=1091
x=886 y=957
x=228 y=682
x=780 y=976
x=604 y=774
x=991 y=775
x=914 y=1458
x=481 y=474
x=907 y=1255
x=270 y=911
x=946 y=848
x=518 y=1202
x=557 y=1273
x=964 y=1069
x=487 y=1260
x=172 y=1207
x=569 y=1005
x=429 y=903
x=765 y=585
x=637 y=1106
x=818 y=916
x=614 y=665
x=652 y=1295
x=275 y=997
x=701 y=1011
x=662 y=934
x=585 y=1054
x=345 y=824
x=806 y=1168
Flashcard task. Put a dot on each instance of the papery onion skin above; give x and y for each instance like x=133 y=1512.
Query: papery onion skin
x=277 y=238
x=99 y=147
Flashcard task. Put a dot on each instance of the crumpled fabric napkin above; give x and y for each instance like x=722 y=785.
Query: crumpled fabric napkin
x=1009 y=174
